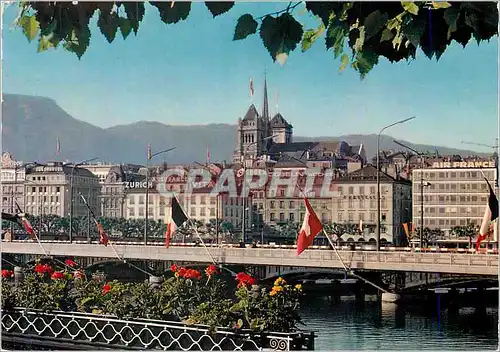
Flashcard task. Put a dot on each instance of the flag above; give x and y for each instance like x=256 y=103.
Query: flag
x=149 y=152
x=251 y=88
x=309 y=230
x=103 y=237
x=208 y=155
x=490 y=214
x=177 y=219
x=405 y=227
x=58 y=146
x=20 y=219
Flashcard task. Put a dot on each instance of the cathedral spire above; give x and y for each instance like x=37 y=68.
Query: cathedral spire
x=265 y=107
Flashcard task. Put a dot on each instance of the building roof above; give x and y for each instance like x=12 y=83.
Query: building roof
x=251 y=114
x=279 y=121
x=57 y=167
x=369 y=173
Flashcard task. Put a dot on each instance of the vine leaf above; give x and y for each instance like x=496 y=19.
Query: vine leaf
x=219 y=7
x=365 y=61
x=172 y=14
x=310 y=36
x=245 y=26
x=440 y=4
x=343 y=62
x=30 y=26
x=414 y=30
x=374 y=22
x=386 y=35
x=108 y=24
x=44 y=43
x=451 y=17
x=322 y=9
x=125 y=26
x=78 y=41
x=135 y=13
x=280 y=35
x=410 y=7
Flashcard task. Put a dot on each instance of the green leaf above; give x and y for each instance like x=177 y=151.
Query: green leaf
x=343 y=62
x=323 y=9
x=414 y=30
x=386 y=35
x=310 y=36
x=374 y=22
x=451 y=16
x=135 y=13
x=108 y=24
x=280 y=35
x=365 y=61
x=172 y=14
x=78 y=42
x=245 y=26
x=125 y=26
x=44 y=43
x=335 y=38
x=219 y=7
x=441 y=4
x=30 y=26
x=360 y=40
x=410 y=7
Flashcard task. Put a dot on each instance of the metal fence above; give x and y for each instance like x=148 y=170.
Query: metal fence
x=66 y=329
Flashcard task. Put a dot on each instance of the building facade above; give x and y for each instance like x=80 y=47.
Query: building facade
x=356 y=204
x=454 y=193
x=48 y=190
x=13 y=176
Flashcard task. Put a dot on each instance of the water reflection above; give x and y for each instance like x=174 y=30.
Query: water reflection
x=347 y=325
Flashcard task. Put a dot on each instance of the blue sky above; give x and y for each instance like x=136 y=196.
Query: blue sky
x=193 y=73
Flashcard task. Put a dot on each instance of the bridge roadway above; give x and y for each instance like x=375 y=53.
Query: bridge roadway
x=452 y=263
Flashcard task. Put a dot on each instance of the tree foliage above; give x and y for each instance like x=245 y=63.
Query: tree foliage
x=360 y=33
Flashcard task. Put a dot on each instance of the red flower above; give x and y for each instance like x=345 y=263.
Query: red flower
x=57 y=275
x=7 y=274
x=174 y=268
x=181 y=272
x=78 y=274
x=106 y=288
x=43 y=268
x=211 y=270
x=192 y=274
x=70 y=263
x=245 y=279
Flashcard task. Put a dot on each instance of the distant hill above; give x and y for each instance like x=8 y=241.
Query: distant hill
x=31 y=126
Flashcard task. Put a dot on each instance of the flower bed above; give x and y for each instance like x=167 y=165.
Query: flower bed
x=190 y=299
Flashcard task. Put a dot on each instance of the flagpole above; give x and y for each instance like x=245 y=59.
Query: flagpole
x=202 y=242
x=111 y=243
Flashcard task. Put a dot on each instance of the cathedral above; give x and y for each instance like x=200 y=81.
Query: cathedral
x=255 y=131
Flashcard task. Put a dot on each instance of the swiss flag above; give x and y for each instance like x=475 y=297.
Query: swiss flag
x=309 y=230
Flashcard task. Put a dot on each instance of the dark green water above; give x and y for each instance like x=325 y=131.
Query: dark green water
x=372 y=326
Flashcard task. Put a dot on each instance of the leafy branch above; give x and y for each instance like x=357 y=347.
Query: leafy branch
x=360 y=33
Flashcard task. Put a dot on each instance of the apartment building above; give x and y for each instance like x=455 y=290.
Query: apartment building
x=356 y=203
x=454 y=193
x=48 y=190
x=13 y=175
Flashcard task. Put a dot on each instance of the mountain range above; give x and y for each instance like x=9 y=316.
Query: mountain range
x=31 y=126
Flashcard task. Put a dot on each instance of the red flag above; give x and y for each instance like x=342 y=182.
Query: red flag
x=490 y=215
x=309 y=230
x=171 y=228
x=103 y=237
x=28 y=227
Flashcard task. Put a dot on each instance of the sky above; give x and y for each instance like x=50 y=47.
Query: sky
x=194 y=73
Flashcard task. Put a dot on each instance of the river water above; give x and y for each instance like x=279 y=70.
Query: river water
x=346 y=325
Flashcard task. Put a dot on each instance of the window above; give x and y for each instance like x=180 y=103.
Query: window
x=202 y=212
x=193 y=211
x=272 y=216
x=351 y=190
x=361 y=190
x=282 y=216
x=361 y=217
x=291 y=217
x=212 y=212
x=372 y=190
x=292 y=205
x=350 y=217
x=372 y=216
x=282 y=204
x=193 y=200
x=351 y=203
x=271 y=205
x=202 y=200
x=339 y=217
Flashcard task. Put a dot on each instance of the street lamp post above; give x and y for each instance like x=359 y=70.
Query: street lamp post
x=71 y=201
x=243 y=226
x=147 y=191
x=378 y=173
x=422 y=185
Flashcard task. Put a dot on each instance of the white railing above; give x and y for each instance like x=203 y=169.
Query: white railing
x=110 y=332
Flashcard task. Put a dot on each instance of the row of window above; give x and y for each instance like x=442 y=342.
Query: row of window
x=443 y=199
x=452 y=211
x=446 y=222
x=462 y=187
x=450 y=175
